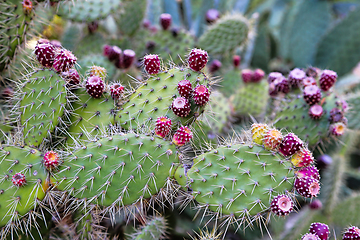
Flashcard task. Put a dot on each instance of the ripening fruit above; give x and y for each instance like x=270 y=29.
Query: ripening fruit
x=51 y=160
x=282 y=205
x=163 y=126
x=182 y=136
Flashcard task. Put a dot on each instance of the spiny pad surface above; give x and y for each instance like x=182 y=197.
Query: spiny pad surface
x=120 y=168
x=42 y=103
x=239 y=179
x=154 y=99
x=15 y=202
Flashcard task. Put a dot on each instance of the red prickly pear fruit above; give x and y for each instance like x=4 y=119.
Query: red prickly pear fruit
x=272 y=139
x=316 y=111
x=308 y=81
x=296 y=76
x=201 y=95
x=282 y=85
x=93 y=27
x=312 y=94
x=95 y=86
x=215 y=65
x=320 y=229
x=165 y=21
x=337 y=129
x=327 y=79
x=236 y=60
x=290 y=145
x=72 y=77
x=274 y=75
x=310 y=236
x=197 y=59
x=309 y=171
x=247 y=75
x=212 y=15
x=272 y=89
x=64 y=60
x=336 y=115
x=115 y=53
x=18 y=179
x=45 y=54
x=182 y=136
x=116 y=90
x=181 y=107
x=184 y=88
x=51 y=160
x=152 y=64
x=313 y=72
x=307 y=187
x=163 y=126
x=27 y=6
x=351 y=233
x=302 y=158
x=107 y=50
x=281 y=205
x=128 y=58
x=258 y=75
x=315 y=204
x=146 y=23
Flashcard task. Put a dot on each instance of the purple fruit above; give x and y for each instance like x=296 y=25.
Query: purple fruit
x=274 y=75
x=214 y=65
x=165 y=20
x=320 y=229
x=258 y=75
x=201 y=95
x=212 y=15
x=282 y=85
x=336 y=115
x=181 y=107
x=281 y=205
x=309 y=171
x=296 y=76
x=64 y=60
x=115 y=53
x=236 y=60
x=316 y=111
x=247 y=75
x=290 y=145
x=197 y=59
x=184 y=88
x=152 y=64
x=128 y=58
x=315 y=204
x=307 y=187
x=45 y=54
x=327 y=79
x=351 y=233
x=312 y=95
x=92 y=27
x=95 y=86
x=310 y=236
x=72 y=77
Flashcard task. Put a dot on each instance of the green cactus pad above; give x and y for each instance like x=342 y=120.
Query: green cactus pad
x=251 y=99
x=293 y=116
x=354 y=114
x=14 y=24
x=169 y=46
x=117 y=170
x=225 y=35
x=17 y=202
x=42 y=103
x=344 y=42
x=88 y=10
x=130 y=18
x=89 y=44
x=219 y=112
x=154 y=229
x=231 y=81
x=90 y=115
x=154 y=98
x=239 y=179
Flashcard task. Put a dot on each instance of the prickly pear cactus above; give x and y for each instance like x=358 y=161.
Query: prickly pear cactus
x=22 y=187
x=130 y=18
x=154 y=98
x=250 y=99
x=118 y=170
x=42 y=100
x=154 y=229
x=226 y=34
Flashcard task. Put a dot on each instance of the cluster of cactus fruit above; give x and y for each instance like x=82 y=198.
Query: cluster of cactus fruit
x=99 y=142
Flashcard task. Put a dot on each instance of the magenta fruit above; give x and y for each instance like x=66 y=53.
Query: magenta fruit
x=307 y=187
x=152 y=64
x=296 y=76
x=201 y=95
x=351 y=233
x=309 y=171
x=45 y=54
x=312 y=94
x=212 y=15
x=95 y=86
x=72 y=77
x=247 y=75
x=184 y=88
x=290 y=145
x=281 y=205
x=128 y=58
x=116 y=90
x=310 y=236
x=236 y=60
x=51 y=160
x=316 y=111
x=182 y=136
x=197 y=59
x=165 y=21
x=163 y=126
x=327 y=79
x=18 y=179
x=64 y=60
x=258 y=75
x=320 y=229
x=181 y=107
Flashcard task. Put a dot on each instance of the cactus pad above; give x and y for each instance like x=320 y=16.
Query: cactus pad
x=225 y=35
x=154 y=98
x=119 y=170
x=42 y=103
x=239 y=179
x=17 y=202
